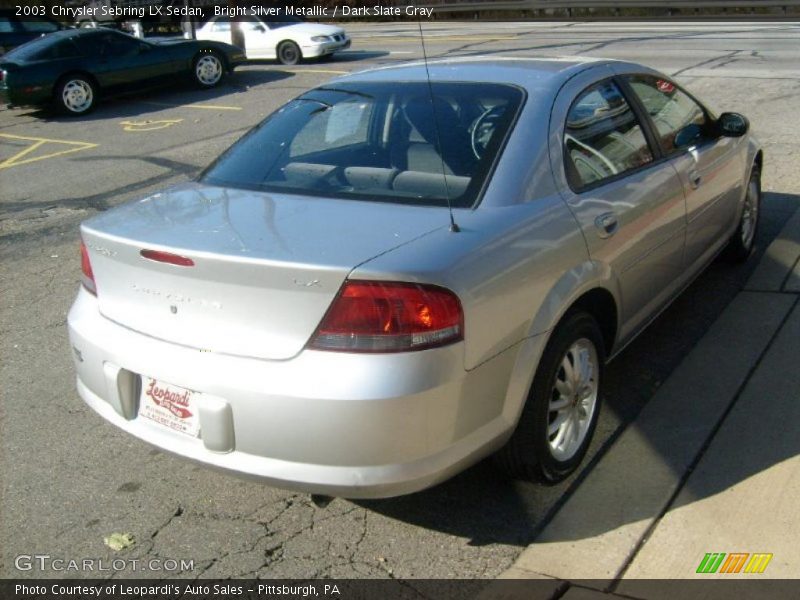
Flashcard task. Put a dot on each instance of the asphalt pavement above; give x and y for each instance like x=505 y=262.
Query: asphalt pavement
x=69 y=479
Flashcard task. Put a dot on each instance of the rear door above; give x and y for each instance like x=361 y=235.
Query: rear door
x=706 y=163
x=628 y=201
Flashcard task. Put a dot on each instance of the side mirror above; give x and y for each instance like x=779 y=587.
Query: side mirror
x=732 y=124
x=259 y=28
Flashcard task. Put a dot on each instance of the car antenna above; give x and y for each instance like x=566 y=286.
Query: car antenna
x=453 y=225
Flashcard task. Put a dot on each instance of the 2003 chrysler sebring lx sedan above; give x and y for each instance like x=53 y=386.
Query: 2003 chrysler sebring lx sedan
x=304 y=312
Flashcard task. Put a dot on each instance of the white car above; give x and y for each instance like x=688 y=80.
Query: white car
x=288 y=40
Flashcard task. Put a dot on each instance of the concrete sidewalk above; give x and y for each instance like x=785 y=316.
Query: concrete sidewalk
x=711 y=464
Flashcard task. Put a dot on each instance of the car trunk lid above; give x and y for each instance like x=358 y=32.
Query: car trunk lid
x=265 y=267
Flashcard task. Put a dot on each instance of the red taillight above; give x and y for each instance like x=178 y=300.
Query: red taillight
x=167 y=257
x=86 y=269
x=377 y=316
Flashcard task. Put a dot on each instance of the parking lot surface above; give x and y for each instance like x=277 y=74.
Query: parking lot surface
x=69 y=479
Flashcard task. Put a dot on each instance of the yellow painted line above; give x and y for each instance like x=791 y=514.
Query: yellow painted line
x=148 y=125
x=201 y=106
x=17 y=159
x=9 y=162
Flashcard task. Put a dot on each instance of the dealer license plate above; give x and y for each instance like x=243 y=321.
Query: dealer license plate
x=169 y=405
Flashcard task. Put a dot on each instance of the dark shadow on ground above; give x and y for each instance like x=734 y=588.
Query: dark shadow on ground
x=486 y=508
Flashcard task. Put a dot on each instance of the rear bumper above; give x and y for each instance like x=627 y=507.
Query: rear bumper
x=357 y=426
x=30 y=96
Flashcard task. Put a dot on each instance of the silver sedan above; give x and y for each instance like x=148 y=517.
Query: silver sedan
x=397 y=274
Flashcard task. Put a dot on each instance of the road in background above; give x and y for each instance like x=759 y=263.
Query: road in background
x=70 y=479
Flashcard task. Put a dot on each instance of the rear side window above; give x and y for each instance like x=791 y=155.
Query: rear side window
x=62 y=49
x=602 y=137
x=89 y=44
x=119 y=45
x=33 y=50
x=680 y=121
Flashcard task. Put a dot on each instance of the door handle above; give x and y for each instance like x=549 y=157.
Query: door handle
x=606 y=224
x=695 y=179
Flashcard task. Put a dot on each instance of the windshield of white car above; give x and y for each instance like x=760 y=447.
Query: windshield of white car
x=377 y=141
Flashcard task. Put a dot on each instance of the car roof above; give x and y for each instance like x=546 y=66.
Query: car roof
x=528 y=72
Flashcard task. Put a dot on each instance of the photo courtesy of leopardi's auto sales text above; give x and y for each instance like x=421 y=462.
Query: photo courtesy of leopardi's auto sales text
x=401 y=299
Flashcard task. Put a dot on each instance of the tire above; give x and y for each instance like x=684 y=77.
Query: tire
x=741 y=243
x=540 y=449
x=288 y=53
x=208 y=69
x=75 y=94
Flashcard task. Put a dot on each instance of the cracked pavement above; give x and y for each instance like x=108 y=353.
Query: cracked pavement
x=69 y=479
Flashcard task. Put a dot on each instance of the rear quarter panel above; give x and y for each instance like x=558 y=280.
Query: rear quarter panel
x=42 y=75
x=512 y=267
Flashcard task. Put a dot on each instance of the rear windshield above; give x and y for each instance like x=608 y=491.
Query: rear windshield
x=377 y=141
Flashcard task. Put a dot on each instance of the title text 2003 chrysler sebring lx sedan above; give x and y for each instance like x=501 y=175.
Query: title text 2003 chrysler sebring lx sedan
x=305 y=313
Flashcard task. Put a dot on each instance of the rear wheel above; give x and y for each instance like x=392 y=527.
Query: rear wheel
x=208 y=69
x=741 y=244
x=560 y=414
x=75 y=94
x=289 y=53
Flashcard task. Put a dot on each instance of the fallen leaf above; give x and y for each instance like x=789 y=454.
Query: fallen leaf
x=119 y=541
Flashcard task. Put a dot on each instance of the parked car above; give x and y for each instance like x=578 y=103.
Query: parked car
x=289 y=40
x=15 y=31
x=72 y=68
x=388 y=280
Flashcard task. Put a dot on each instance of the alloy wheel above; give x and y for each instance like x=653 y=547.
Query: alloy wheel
x=289 y=53
x=208 y=70
x=573 y=399
x=77 y=95
x=750 y=213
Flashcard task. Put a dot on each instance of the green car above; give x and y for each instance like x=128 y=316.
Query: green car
x=72 y=68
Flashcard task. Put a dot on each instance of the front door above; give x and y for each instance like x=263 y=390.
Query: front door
x=260 y=39
x=705 y=162
x=630 y=204
x=129 y=62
